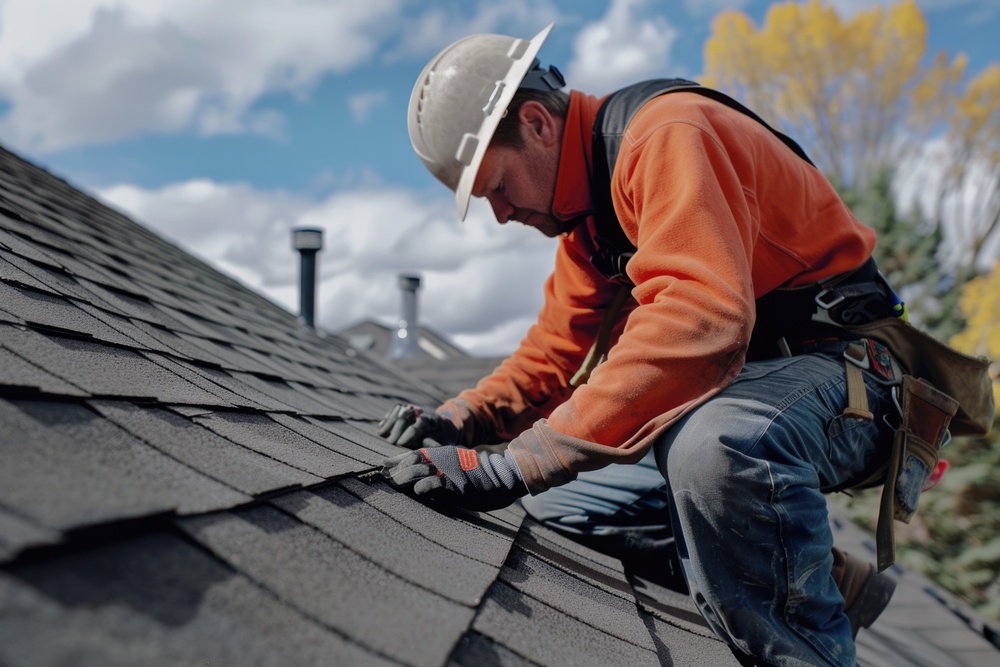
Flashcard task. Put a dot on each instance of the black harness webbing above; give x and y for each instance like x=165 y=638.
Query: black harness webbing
x=614 y=115
x=784 y=316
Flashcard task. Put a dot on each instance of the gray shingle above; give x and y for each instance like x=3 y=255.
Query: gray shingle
x=17 y=533
x=81 y=469
x=334 y=585
x=238 y=393
x=22 y=247
x=262 y=434
x=458 y=536
x=288 y=393
x=475 y=650
x=18 y=373
x=156 y=600
x=42 y=308
x=365 y=433
x=10 y=273
x=103 y=370
x=677 y=646
x=575 y=597
x=306 y=428
x=393 y=545
x=540 y=633
x=600 y=570
x=216 y=457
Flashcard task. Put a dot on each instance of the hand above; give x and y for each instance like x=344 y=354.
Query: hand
x=458 y=476
x=408 y=425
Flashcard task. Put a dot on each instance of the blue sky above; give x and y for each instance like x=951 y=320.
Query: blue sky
x=222 y=124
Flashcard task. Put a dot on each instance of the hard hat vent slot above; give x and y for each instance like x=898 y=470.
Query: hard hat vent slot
x=467 y=148
x=491 y=104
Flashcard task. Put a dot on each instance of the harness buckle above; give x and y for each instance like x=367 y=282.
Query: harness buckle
x=827 y=305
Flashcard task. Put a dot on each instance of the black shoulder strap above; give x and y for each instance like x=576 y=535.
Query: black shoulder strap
x=614 y=248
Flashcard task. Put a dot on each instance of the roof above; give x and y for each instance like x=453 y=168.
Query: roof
x=377 y=337
x=188 y=476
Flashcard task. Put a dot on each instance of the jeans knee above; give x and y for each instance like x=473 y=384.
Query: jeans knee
x=694 y=453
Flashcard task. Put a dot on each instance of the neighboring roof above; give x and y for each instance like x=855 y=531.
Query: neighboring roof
x=376 y=337
x=440 y=362
x=187 y=476
x=452 y=375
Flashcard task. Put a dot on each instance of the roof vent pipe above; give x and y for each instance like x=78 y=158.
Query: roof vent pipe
x=405 y=344
x=308 y=241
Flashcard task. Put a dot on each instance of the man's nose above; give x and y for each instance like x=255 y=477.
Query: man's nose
x=501 y=209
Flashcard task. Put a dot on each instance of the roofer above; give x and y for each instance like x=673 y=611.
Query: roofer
x=696 y=366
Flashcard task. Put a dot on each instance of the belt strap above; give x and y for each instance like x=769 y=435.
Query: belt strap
x=855 y=359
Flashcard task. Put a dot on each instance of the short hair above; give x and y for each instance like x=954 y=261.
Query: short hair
x=508 y=132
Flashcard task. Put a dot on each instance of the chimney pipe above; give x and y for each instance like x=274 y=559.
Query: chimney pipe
x=308 y=241
x=404 y=343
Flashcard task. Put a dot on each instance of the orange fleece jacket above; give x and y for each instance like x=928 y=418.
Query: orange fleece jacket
x=721 y=213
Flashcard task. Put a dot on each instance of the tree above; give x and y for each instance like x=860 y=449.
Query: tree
x=980 y=303
x=971 y=183
x=906 y=254
x=853 y=92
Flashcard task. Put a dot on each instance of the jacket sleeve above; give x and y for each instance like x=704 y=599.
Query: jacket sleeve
x=535 y=379
x=680 y=199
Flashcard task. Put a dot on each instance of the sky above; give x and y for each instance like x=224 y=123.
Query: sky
x=224 y=124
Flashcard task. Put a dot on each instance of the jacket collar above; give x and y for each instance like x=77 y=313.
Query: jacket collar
x=572 y=196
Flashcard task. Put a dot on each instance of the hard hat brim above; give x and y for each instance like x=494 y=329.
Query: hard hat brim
x=463 y=191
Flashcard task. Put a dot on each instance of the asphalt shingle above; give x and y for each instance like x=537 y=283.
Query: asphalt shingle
x=335 y=585
x=156 y=600
x=266 y=436
x=391 y=544
x=236 y=466
x=81 y=469
x=103 y=370
x=18 y=373
x=538 y=632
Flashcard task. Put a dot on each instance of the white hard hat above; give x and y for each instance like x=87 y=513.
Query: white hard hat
x=458 y=102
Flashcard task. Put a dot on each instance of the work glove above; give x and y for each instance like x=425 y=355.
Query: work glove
x=408 y=425
x=458 y=476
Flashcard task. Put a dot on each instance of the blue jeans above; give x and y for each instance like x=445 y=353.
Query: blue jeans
x=744 y=476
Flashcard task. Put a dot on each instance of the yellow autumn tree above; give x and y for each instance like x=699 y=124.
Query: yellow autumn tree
x=980 y=303
x=854 y=91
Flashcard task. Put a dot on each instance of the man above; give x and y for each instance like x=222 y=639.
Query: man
x=674 y=429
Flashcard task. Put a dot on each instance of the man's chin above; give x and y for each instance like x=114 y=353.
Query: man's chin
x=548 y=225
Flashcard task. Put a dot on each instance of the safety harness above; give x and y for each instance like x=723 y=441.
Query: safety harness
x=854 y=310
x=786 y=318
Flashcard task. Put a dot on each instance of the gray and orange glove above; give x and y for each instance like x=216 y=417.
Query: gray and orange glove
x=458 y=476
x=408 y=425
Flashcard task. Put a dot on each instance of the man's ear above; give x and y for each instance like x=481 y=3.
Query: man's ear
x=537 y=122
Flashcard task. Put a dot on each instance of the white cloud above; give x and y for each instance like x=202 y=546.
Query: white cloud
x=438 y=27
x=482 y=282
x=362 y=104
x=78 y=72
x=623 y=47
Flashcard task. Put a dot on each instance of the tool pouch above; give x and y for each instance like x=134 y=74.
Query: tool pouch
x=964 y=378
x=926 y=416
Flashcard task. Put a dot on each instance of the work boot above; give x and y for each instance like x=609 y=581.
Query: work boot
x=866 y=591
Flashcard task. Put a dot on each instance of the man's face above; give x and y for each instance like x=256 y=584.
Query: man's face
x=520 y=182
